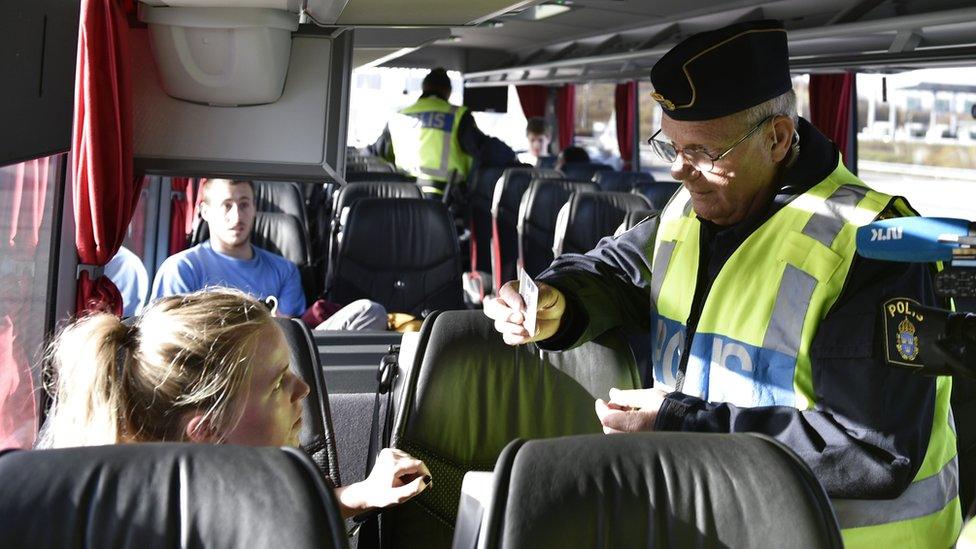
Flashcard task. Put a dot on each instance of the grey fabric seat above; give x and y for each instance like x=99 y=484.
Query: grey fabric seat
x=657 y=490
x=537 y=219
x=468 y=394
x=317 y=436
x=136 y=496
x=587 y=217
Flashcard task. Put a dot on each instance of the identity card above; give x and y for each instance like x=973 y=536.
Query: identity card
x=530 y=295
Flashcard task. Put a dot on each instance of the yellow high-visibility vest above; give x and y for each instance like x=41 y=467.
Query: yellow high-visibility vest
x=752 y=342
x=425 y=142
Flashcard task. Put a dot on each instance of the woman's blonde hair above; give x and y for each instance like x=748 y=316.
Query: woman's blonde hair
x=112 y=383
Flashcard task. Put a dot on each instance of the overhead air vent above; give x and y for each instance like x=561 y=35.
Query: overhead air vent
x=227 y=56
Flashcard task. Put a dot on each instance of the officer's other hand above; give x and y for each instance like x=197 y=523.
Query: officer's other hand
x=508 y=312
x=630 y=411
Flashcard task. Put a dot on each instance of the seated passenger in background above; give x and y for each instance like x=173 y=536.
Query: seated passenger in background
x=208 y=367
x=537 y=134
x=572 y=155
x=229 y=259
x=129 y=275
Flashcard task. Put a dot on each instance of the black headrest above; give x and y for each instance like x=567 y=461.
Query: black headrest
x=282 y=234
x=657 y=490
x=583 y=171
x=317 y=435
x=469 y=394
x=278 y=233
x=590 y=216
x=352 y=192
x=166 y=495
x=280 y=197
x=369 y=164
x=620 y=181
x=358 y=177
x=400 y=252
x=512 y=185
x=537 y=219
x=634 y=217
x=657 y=192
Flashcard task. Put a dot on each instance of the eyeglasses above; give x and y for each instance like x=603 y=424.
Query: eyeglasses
x=697 y=157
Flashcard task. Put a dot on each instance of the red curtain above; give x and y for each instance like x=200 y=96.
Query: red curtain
x=105 y=191
x=181 y=213
x=830 y=109
x=623 y=104
x=23 y=192
x=566 y=114
x=533 y=100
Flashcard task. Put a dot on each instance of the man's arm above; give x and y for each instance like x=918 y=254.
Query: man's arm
x=470 y=137
x=869 y=432
x=605 y=288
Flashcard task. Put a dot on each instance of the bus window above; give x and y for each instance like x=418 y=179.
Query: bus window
x=917 y=138
x=595 y=122
x=27 y=212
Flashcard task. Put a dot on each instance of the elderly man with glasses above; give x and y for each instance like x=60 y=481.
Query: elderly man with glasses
x=761 y=316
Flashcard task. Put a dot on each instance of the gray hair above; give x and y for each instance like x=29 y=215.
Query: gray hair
x=783 y=104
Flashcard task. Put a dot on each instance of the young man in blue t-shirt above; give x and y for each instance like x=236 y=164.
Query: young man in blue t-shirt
x=229 y=259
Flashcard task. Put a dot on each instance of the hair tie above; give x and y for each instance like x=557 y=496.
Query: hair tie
x=128 y=344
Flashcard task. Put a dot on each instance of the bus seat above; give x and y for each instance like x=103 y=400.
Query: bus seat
x=587 y=217
x=657 y=192
x=132 y=496
x=346 y=195
x=280 y=197
x=468 y=394
x=278 y=233
x=537 y=219
x=634 y=217
x=657 y=490
x=482 y=191
x=361 y=177
x=622 y=182
x=401 y=253
x=317 y=435
x=584 y=171
x=504 y=219
x=547 y=162
x=369 y=164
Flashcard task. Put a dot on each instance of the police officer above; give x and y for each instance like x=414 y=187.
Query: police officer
x=434 y=140
x=762 y=317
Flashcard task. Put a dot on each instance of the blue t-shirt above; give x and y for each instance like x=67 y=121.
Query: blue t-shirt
x=263 y=275
x=129 y=275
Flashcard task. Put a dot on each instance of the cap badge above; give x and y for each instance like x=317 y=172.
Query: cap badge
x=666 y=103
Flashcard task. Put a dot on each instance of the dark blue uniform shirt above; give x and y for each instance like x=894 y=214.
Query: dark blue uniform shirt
x=868 y=433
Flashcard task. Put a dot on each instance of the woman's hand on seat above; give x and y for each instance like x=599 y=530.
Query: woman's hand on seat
x=396 y=477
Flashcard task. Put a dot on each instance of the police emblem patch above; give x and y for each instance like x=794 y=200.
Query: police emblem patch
x=906 y=341
x=902 y=320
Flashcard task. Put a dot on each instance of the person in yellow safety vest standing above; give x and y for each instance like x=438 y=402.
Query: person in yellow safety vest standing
x=434 y=140
x=762 y=318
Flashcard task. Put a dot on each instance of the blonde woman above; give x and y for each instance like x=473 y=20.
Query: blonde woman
x=208 y=367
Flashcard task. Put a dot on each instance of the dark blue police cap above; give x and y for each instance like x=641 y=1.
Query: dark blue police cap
x=717 y=73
